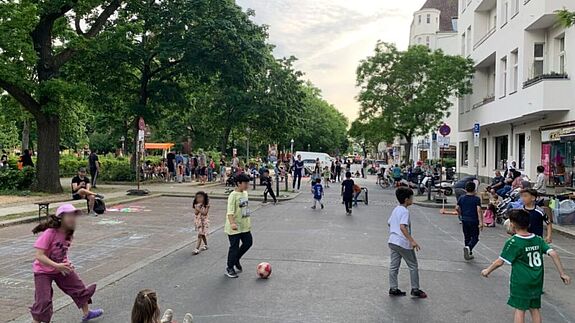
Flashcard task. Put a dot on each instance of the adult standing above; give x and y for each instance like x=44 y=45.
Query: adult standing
x=332 y=169
x=223 y=169
x=364 y=169
x=203 y=172
x=338 y=170
x=94 y=166
x=297 y=172
x=27 y=159
x=171 y=161
x=235 y=164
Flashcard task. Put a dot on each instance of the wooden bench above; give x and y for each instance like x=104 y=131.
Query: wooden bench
x=44 y=207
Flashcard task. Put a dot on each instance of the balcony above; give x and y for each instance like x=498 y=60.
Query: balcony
x=485 y=37
x=485 y=101
x=542 y=12
x=543 y=77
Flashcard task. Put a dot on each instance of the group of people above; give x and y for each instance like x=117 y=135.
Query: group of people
x=524 y=250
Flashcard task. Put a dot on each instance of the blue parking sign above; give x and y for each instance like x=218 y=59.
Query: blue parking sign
x=476 y=128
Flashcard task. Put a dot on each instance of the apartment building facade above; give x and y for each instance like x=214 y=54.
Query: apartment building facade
x=523 y=89
x=435 y=26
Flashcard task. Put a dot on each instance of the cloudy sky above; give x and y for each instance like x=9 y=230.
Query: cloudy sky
x=330 y=37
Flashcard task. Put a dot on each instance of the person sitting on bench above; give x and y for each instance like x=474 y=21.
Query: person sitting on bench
x=81 y=190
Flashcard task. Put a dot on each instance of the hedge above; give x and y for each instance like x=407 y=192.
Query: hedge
x=14 y=180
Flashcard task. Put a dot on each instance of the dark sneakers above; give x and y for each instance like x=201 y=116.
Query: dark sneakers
x=418 y=293
x=396 y=292
x=231 y=273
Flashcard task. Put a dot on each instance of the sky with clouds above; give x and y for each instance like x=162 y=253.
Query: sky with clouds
x=330 y=37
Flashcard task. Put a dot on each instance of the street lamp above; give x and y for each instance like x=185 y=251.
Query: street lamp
x=292 y=146
x=308 y=147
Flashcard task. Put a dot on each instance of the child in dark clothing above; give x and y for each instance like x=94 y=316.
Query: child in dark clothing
x=317 y=190
x=267 y=181
x=469 y=209
x=537 y=217
x=347 y=192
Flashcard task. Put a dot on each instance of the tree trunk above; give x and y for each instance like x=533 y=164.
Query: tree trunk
x=25 y=135
x=47 y=164
x=408 y=146
x=225 y=139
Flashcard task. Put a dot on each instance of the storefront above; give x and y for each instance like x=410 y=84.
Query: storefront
x=558 y=154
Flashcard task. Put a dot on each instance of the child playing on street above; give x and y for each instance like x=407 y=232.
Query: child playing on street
x=201 y=206
x=146 y=310
x=347 y=192
x=402 y=245
x=52 y=265
x=524 y=252
x=317 y=191
x=238 y=225
x=326 y=176
x=469 y=209
x=536 y=215
x=356 y=193
x=267 y=181
x=489 y=215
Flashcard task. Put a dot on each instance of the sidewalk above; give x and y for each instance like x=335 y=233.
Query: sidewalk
x=450 y=204
x=26 y=211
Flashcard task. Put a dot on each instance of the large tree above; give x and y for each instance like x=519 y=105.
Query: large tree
x=407 y=93
x=37 y=40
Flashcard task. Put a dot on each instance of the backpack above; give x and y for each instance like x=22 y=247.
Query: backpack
x=99 y=206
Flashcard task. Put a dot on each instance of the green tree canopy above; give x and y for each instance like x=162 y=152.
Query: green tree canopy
x=407 y=93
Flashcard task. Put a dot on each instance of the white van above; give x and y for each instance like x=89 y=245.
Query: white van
x=309 y=159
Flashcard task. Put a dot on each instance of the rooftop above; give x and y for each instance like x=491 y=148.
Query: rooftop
x=448 y=10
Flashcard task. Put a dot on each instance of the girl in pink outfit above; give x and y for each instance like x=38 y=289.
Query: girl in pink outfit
x=52 y=265
x=489 y=216
x=201 y=206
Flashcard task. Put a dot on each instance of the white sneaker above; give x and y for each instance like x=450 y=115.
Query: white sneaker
x=167 y=317
x=188 y=318
x=466 y=252
x=196 y=251
x=205 y=247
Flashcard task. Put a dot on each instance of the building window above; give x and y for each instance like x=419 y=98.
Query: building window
x=463 y=44
x=468 y=47
x=428 y=18
x=464 y=149
x=484 y=152
x=561 y=42
x=515 y=7
x=503 y=78
x=538 y=59
x=501 y=152
x=427 y=41
x=419 y=40
x=521 y=148
x=515 y=71
x=419 y=19
x=504 y=13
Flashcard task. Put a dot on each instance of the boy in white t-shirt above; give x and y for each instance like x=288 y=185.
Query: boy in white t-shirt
x=402 y=245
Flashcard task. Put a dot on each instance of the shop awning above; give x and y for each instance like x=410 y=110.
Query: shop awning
x=162 y=146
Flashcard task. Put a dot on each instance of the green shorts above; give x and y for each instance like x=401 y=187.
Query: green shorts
x=524 y=304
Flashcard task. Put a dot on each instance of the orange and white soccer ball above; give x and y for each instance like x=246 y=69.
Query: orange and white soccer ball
x=264 y=270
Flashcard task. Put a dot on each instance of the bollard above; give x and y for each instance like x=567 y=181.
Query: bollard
x=287 y=180
x=255 y=179
x=277 y=184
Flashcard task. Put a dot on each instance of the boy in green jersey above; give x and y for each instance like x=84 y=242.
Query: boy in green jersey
x=238 y=225
x=524 y=252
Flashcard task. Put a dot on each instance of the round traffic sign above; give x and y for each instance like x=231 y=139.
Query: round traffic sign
x=445 y=129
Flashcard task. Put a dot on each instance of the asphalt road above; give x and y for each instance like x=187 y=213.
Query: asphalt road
x=329 y=267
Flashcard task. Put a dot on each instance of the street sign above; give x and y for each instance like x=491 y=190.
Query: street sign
x=445 y=130
x=141 y=135
x=434 y=136
x=476 y=130
x=444 y=142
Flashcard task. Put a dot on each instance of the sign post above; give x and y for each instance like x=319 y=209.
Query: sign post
x=139 y=145
x=476 y=133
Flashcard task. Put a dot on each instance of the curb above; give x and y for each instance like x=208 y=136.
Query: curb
x=564 y=232
x=432 y=205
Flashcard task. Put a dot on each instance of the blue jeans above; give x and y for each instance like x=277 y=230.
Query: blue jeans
x=503 y=191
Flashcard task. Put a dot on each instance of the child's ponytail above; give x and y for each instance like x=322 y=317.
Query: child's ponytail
x=145 y=309
x=51 y=223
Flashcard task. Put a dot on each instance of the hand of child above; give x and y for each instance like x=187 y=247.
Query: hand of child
x=234 y=226
x=64 y=268
x=566 y=279
x=481 y=225
x=548 y=240
x=485 y=273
